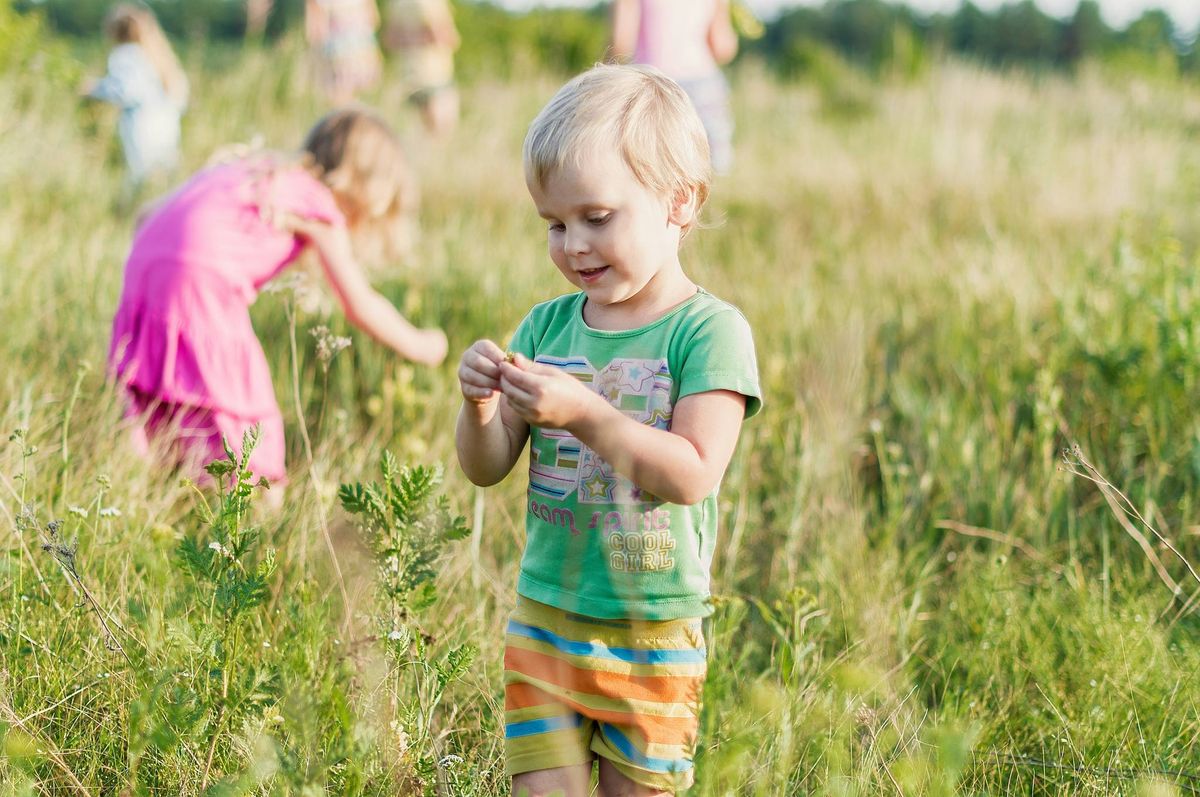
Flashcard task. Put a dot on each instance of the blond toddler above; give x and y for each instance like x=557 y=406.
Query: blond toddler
x=630 y=392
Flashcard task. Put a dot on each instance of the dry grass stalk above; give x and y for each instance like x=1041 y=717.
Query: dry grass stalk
x=1123 y=509
x=997 y=536
x=45 y=746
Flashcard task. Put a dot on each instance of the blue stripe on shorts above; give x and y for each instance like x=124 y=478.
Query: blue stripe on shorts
x=595 y=651
x=546 y=725
x=636 y=757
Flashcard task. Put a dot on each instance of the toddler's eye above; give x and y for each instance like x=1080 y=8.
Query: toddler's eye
x=557 y=226
x=599 y=221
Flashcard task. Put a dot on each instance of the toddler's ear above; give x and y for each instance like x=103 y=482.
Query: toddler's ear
x=683 y=208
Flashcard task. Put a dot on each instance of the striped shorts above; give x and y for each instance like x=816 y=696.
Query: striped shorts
x=580 y=687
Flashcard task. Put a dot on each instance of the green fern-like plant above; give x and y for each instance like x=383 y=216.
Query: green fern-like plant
x=231 y=575
x=407 y=524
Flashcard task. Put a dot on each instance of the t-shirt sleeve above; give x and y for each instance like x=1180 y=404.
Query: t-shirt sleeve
x=524 y=340
x=720 y=356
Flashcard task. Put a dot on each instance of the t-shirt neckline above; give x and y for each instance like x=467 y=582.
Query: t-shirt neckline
x=625 y=333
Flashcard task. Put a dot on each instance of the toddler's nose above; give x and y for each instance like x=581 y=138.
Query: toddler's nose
x=576 y=242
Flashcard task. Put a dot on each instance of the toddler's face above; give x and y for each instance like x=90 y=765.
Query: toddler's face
x=608 y=234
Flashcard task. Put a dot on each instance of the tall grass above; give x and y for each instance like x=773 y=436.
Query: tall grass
x=949 y=283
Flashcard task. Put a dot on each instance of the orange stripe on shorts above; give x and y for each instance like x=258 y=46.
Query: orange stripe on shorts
x=655 y=730
x=650 y=688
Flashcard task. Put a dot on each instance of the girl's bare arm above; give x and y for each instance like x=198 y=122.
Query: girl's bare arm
x=489 y=436
x=626 y=17
x=489 y=441
x=722 y=38
x=364 y=307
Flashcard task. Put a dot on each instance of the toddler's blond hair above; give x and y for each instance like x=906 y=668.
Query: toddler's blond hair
x=635 y=108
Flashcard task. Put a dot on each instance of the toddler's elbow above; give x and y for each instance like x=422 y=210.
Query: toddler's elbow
x=691 y=494
x=481 y=479
x=480 y=474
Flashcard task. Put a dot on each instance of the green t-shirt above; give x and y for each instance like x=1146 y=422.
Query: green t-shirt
x=596 y=544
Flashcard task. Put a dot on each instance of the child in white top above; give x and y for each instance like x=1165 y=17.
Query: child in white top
x=147 y=84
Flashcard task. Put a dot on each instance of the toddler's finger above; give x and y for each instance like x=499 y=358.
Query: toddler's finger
x=476 y=393
x=514 y=375
x=467 y=374
x=531 y=367
x=482 y=365
x=516 y=393
x=489 y=349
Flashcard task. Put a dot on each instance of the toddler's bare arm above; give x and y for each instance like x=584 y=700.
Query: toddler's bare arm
x=682 y=465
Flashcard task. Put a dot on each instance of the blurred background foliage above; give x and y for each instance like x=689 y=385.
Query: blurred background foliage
x=874 y=34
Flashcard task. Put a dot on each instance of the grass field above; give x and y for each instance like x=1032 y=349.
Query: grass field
x=950 y=280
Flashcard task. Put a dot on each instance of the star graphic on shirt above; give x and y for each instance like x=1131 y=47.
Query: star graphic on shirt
x=597 y=487
x=637 y=376
x=609 y=386
x=660 y=418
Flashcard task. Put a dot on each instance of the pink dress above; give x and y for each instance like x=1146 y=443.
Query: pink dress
x=182 y=344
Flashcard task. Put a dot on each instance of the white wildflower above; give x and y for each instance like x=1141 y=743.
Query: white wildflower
x=328 y=344
x=110 y=511
x=221 y=549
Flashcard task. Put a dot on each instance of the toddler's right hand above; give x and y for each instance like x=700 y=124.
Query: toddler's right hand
x=479 y=372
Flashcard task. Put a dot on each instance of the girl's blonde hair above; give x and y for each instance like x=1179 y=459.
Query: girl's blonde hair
x=360 y=158
x=130 y=23
x=638 y=109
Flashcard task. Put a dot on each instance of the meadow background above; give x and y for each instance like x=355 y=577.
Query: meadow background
x=954 y=272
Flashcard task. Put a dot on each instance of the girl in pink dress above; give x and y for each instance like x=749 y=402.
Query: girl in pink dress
x=183 y=347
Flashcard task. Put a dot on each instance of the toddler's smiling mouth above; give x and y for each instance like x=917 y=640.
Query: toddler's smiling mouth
x=591 y=274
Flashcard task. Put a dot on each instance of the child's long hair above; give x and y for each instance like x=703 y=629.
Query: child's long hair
x=360 y=158
x=130 y=23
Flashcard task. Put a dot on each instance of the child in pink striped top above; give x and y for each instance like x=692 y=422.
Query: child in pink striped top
x=688 y=41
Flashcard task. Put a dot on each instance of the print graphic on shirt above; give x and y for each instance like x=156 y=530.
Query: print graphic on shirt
x=638 y=537
x=554 y=454
x=640 y=389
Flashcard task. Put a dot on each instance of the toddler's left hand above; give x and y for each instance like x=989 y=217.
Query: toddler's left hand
x=546 y=396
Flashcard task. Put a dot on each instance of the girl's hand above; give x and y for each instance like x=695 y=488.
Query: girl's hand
x=546 y=396
x=432 y=347
x=87 y=86
x=479 y=372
